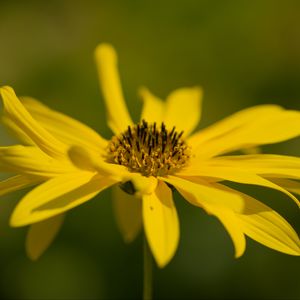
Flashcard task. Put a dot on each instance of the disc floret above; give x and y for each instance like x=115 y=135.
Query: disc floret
x=149 y=149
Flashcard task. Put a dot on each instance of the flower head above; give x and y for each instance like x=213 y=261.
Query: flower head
x=70 y=164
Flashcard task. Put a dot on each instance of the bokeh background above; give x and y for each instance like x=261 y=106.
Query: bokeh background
x=243 y=53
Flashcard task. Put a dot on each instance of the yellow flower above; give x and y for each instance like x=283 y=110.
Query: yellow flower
x=71 y=164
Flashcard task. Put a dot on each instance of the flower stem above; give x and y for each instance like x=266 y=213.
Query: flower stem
x=147 y=293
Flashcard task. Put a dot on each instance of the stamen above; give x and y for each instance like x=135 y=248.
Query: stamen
x=149 y=149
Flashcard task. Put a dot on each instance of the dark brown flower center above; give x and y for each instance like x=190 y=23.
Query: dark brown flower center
x=149 y=149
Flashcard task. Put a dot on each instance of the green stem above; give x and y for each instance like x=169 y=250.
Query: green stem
x=147 y=293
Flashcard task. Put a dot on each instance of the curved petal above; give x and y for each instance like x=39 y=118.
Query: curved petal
x=264 y=225
x=14 y=110
x=128 y=213
x=15 y=131
x=118 y=116
x=40 y=236
x=86 y=160
x=247 y=215
x=153 y=108
x=183 y=109
x=236 y=133
x=288 y=184
x=31 y=160
x=90 y=162
x=231 y=224
x=216 y=202
x=16 y=183
x=63 y=127
x=161 y=224
x=203 y=194
x=240 y=175
x=58 y=195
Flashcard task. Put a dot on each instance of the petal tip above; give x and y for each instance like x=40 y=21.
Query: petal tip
x=105 y=51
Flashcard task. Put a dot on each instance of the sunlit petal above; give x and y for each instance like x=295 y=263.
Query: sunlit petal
x=32 y=161
x=153 y=108
x=216 y=202
x=238 y=174
x=56 y=196
x=117 y=113
x=63 y=127
x=266 y=226
x=183 y=109
x=40 y=236
x=237 y=132
x=161 y=224
x=14 y=110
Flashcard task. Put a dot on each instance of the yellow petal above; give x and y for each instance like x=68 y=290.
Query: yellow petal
x=202 y=194
x=264 y=164
x=153 y=108
x=86 y=160
x=183 y=109
x=16 y=183
x=16 y=131
x=239 y=175
x=280 y=125
x=180 y=104
x=56 y=196
x=232 y=226
x=117 y=113
x=233 y=122
x=267 y=227
x=216 y=202
x=128 y=213
x=31 y=160
x=14 y=110
x=40 y=236
x=161 y=224
x=288 y=184
x=64 y=128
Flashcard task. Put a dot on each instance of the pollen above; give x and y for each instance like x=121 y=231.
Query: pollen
x=149 y=149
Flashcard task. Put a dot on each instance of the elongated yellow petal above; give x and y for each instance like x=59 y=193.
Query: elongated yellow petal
x=40 y=236
x=153 y=108
x=216 y=202
x=128 y=213
x=288 y=184
x=86 y=160
x=266 y=226
x=14 y=110
x=15 y=131
x=64 y=128
x=232 y=226
x=202 y=194
x=265 y=164
x=56 y=196
x=234 y=174
x=16 y=183
x=117 y=113
x=161 y=224
x=279 y=126
x=183 y=109
x=242 y=215
x=233 y=122
x=31 y=160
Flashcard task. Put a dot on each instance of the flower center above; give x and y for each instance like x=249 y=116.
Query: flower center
x=149 y=149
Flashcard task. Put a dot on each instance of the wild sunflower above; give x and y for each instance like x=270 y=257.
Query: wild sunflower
x=70 y=164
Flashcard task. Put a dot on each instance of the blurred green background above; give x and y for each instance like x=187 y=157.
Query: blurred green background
x=243 y=53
